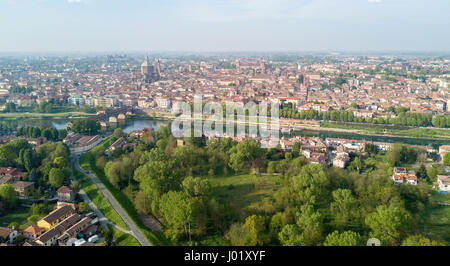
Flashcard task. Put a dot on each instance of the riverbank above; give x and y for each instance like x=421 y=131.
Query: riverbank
x=369 y=130
x=433 y=133
x=44 y=115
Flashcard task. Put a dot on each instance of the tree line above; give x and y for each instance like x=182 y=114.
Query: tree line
x=50 y=133
x=402 y=118
x=20 y=89
x=86 y=127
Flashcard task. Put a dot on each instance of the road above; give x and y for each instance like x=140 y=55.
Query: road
x=134 y=231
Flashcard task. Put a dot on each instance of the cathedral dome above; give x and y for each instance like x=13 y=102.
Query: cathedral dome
x=146 y=62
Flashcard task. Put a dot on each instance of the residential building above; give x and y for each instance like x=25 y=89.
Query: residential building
x=56 y=216
x=65 y=194
x=403 y=176
x=443 y=183
x=341 y=159
x=33 y=232
x=50 y=237
x=23 y=189
x=8 y=234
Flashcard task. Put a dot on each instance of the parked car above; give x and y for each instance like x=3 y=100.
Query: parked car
x=93 y=239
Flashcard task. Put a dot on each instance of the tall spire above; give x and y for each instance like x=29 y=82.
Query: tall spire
x=146 y=61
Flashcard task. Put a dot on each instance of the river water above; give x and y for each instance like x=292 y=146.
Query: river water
x=60 y=123
x=138 y=124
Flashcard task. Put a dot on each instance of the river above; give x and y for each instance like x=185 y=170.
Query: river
x=137 y=124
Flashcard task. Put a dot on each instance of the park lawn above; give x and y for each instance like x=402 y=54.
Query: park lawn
x=390 y=130
x=99 y=200
x=420 y=132
x=19 y=216
x=444 y=198
x=438 y=224
x=369 y=128
x=243 y=191
x=123 y=239
x=87 y=162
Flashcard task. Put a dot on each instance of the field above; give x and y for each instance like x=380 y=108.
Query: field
x=243 y=192
x=390 y=130
x=19 y=216
x=438 y=226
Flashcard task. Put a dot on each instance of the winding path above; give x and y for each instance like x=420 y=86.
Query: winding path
x=134 y=231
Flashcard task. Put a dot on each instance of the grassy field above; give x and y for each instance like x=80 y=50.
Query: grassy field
x=44 y=115
x=420 y=132
x=99 y=200
x=123 y=239
x=438 y=226
x=379 y=129
x=19 y=216
x=86 y=162
x=245 y=191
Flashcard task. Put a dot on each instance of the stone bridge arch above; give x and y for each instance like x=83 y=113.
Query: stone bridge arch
x=121 y=117
x=113 y=119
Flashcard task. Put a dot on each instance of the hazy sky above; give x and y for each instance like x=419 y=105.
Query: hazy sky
x=224 y=25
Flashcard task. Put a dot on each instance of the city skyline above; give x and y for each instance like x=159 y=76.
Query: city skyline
x=224 y=26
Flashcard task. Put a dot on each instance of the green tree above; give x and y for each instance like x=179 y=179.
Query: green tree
x=39 y=209
x=433 y=171
x=108 y=236
x=56 y=177
x=238 y=234
x=346 y=238
x=271 y=167
x=33 y=219
x=10 y=108
x=113 y=171
x=311 y=185
x=388 y=224
x=371 y=148
x=8 y=196
x=256 y=230
x=422 y=172
x=290 y=235
x=83 y=207
x=61 y=162
x=246 y=153
x=118 y=133
x=354 y=105
x=344 y=207
x=26 y=159
x=196 y=187
x=418 y=240
x=14 y=225
x=399 y=153
x=447 y=159
x=308 y=230
x=176 y=208
x=355 y=164
x=8 y=154
x=62 y=133
x=88 y=127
